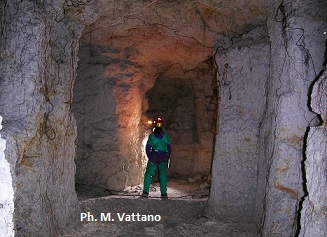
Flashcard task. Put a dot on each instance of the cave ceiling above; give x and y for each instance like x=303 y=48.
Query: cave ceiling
x=158 y=34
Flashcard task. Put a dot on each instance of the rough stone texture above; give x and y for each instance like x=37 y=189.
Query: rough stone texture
x=38 y=65
x=108 y=153
x=319 y=94
x=39 y=43
x=243 y=70
x=294 y=60
x=314 y=211
x=6 y=194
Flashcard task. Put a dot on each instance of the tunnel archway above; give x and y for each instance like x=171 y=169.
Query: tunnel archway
x=187 y=101
x=115 y=94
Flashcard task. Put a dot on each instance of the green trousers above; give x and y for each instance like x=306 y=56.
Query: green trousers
x=150 y=169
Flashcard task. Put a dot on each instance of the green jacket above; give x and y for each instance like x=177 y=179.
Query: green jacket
x=160 y=144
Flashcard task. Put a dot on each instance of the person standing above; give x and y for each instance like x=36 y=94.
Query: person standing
x=158 y=150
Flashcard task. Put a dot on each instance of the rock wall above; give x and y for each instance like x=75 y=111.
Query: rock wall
x=314 y=211
x=7 y=192
x=38 y=65
x=295 y=57
x=243 y=70
x=257 y=168
x=108 y=108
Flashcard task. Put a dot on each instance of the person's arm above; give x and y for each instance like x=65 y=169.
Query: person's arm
x=168 y=144
x=148 y=148
x=169 y=149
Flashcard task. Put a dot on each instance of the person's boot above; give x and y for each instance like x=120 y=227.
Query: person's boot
x=145 y=195
x=164 y=196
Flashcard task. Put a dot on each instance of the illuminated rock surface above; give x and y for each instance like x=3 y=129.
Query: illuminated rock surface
x=239 y=84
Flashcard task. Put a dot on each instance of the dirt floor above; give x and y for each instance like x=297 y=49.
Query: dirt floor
x=182 y=214
x=177 y=189
x=198 y=228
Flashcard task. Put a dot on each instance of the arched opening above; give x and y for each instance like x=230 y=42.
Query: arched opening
x=187 y=101
x=119 y=86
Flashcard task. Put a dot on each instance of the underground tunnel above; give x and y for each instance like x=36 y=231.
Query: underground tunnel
x=120 y=87
x=241 y=86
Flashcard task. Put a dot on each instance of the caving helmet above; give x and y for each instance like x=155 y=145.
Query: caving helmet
x=158 y=123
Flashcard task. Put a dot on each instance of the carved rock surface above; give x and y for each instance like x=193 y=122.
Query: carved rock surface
x=38 y=64
x=243 y=71
x=295 y=62
x=257 y=170
x=314 y=212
